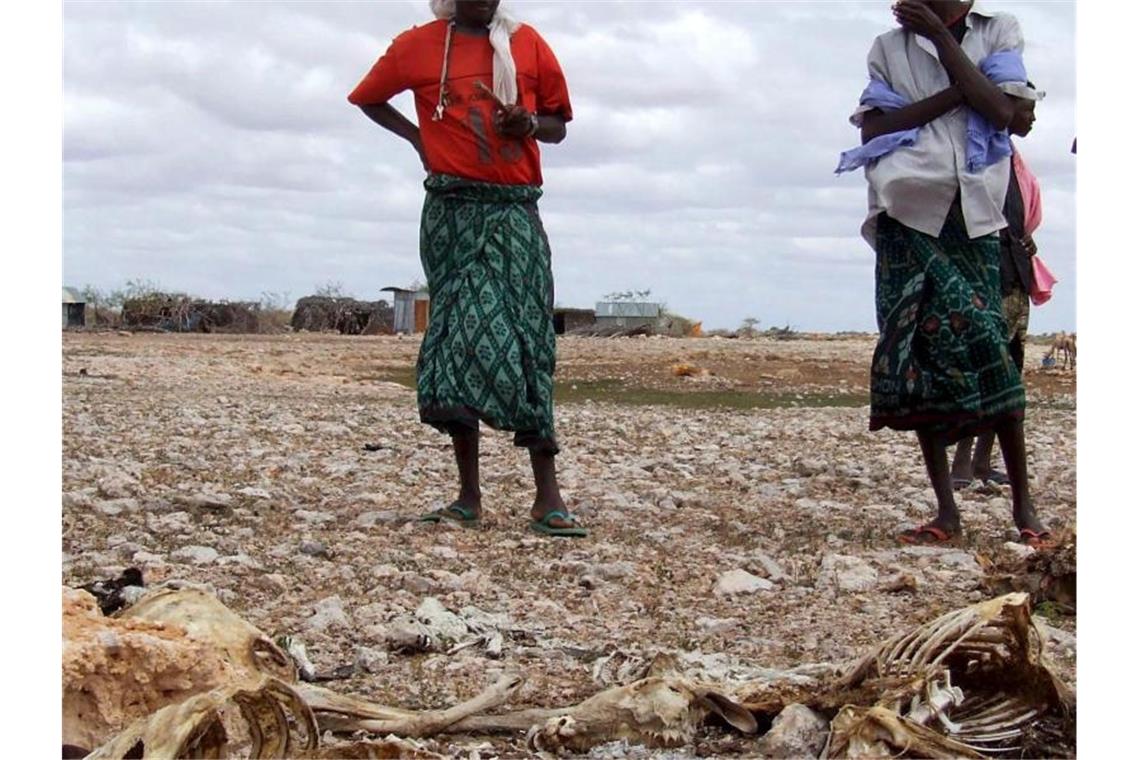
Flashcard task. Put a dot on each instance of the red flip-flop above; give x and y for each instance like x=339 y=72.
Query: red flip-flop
x=914 y=536
x=1037 y=539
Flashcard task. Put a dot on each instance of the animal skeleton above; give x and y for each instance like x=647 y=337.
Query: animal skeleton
x=196 y=727
x=966 y=684
x=992 y=650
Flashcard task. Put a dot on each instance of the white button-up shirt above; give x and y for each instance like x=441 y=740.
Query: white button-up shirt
x=916 y=184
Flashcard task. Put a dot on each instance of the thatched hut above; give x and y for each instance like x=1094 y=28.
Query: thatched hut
x=179 y=313
x=346 y=316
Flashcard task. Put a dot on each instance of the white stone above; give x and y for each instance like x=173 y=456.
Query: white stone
x=444 y=552
x=771 y=567
x=175 y=522
x=445 y=626
x=116 y=485
x=211 y=500
x=808 y=467
x=112 y=507
x=316 y=518
x=1019 y=550
x=741 y=582
x=371 y=660
x=797 y=732
x=198 y=555
x=328 y=613
x=846 y=573
x=612 y=571
x=717 y=626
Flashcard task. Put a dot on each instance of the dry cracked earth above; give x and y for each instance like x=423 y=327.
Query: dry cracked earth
x=744 y=513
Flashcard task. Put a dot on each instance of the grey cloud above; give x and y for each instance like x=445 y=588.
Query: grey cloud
x=209 y=146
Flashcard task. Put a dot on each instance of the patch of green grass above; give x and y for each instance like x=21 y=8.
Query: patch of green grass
x=1051 y=611
x=615 y=392
x=570 y=391
x=405 y=376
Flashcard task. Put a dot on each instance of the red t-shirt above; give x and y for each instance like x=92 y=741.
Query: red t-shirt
x=464 y=143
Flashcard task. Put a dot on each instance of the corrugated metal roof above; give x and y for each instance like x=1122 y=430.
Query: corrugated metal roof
x=71 y=295
x=628 y=309
x=394 y=289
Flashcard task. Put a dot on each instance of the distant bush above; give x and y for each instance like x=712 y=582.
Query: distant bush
x=787 y=332
x=275 y=313
x=105 y=308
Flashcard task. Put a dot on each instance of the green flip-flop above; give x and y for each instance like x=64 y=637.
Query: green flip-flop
x=543 y=526
x=455 y=512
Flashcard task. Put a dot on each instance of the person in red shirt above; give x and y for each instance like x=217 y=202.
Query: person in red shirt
x=487 y=90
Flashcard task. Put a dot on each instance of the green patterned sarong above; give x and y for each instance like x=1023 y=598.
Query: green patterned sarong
x=489 y=349
x=942 y=362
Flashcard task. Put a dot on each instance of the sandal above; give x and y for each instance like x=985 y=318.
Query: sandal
x=915 y=536
x=995 y=478
x=960 y=483
x=455 y=512
x=1038 y=539
x=543 y=526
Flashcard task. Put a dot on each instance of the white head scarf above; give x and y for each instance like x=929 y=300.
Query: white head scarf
x=503 y=68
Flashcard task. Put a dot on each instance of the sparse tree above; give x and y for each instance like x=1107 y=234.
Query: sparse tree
x=748 y=327
x=331 y=289
x=272 y=300
x=629 y=295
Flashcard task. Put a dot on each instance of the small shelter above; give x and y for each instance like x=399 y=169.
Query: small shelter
x=568 y=320
x=627 y=314
x=177 y=312
x=410 y=309
x=74 y=309
x=346 y=316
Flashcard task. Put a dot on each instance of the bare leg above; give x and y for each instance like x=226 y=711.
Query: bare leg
x=983 y=453
x=548 y=496
x=961 y=471
x=938 y=469
x=466 y=445
x=1011 y=436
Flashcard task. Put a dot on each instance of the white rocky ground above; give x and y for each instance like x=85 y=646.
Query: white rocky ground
x=762 y=535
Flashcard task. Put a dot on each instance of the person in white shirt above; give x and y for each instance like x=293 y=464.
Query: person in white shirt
x=942 y=365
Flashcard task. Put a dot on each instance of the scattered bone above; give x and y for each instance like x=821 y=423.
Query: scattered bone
x=296 y=649
x=272 y=710
x=971 y=681
x=347 y=714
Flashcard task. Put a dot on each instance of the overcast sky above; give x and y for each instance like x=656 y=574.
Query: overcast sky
x=209 y=147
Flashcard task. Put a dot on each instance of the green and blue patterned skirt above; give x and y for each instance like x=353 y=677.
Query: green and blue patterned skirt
x=488 y=354
x=942 y=362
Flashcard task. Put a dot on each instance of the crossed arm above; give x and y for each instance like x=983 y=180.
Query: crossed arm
x=968 y=85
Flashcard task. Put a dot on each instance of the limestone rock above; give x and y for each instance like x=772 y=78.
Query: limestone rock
x=797 y=732
x=741 y=582
x=115 y=671
x=846 y=573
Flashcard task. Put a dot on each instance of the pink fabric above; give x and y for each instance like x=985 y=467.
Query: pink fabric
x=1043 y=282
x=1030 y=193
